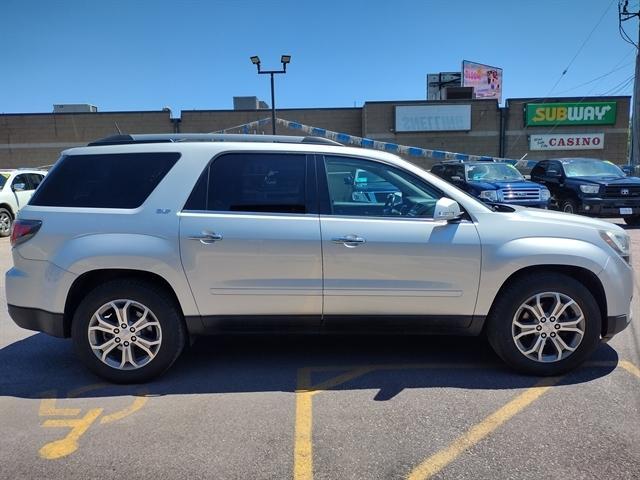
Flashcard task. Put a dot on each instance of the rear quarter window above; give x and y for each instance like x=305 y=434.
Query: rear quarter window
x=119 y=180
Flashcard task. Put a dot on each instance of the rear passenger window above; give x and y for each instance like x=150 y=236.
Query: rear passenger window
x=247 y=182
x=121 y=180
x=35 y=179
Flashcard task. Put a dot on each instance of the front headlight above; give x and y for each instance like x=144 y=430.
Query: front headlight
x=490 y=195
x=619 y=242
x=545 y=194
x=589 y=188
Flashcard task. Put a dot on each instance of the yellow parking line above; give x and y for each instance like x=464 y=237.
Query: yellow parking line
x=303 y=453
x=438 y=461
x=303 y=448
x=630 y=367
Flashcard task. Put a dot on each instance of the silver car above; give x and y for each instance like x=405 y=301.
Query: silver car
x=134 y=243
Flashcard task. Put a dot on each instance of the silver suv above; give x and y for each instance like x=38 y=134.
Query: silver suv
x=135 y=243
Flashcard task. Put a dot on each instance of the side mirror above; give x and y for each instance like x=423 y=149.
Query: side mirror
x=447 y=210
x=18 y=187
x=553 y=173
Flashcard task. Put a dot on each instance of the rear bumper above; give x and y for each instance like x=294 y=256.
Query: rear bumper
x=39 y=320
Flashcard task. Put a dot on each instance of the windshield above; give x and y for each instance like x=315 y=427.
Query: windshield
x=494 y=172
x=591 y=168
x=3 y=179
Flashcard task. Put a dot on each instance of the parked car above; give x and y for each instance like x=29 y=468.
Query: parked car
x=631 y=170
x=16 y=188
x=591 y=187
x=525 y=166
x=493 y=182
x=135 y=243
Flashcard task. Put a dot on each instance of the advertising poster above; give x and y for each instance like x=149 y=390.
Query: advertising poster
x=485 y=80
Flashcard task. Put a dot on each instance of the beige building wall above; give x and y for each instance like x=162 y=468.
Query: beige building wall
x=29 y=140
x=346 y=120
x=482 y=139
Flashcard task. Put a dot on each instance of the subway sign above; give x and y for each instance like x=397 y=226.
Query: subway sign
x=577 y=113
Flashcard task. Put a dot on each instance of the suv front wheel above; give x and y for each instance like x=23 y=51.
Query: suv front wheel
x=128 y=331
x=545 y=325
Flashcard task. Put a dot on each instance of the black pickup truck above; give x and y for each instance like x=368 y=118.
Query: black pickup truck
x=589 y=186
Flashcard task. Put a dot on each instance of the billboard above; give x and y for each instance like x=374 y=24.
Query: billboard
x=567 y=141
x=571 y=113
x=485 y=80
x=432 y=118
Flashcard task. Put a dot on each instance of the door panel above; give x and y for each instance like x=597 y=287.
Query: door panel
x=250 y=240
x=263 y=265
x=404 y=267
x=394 y=259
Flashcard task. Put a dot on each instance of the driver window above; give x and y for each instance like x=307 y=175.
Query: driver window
x=367 y=188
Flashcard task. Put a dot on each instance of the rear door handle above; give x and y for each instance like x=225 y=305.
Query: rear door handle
x=207 y=237
x=349 y=240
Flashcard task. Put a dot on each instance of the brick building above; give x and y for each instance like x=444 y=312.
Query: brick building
x=541 y=128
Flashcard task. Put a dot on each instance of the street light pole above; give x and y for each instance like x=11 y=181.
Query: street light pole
x=273 y=107
x=284 y=59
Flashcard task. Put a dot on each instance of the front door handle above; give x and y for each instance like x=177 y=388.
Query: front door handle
x=349 y=240
x=207 y=237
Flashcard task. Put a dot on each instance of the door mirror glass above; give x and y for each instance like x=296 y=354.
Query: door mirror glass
x=18 y=187
x=456 y=178
x=446 y=209
x=553 y=173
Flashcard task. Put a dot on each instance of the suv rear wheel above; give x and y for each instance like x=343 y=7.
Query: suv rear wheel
x=545 y=325
x=128 y=331
x=5 y=222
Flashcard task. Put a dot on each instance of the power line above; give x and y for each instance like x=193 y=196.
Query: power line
x=564 y=72
x=623 y=15
x=610 y=72
x=619 y=87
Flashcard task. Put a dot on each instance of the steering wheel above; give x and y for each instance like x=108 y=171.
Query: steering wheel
x=390 y=205
x=418 y=210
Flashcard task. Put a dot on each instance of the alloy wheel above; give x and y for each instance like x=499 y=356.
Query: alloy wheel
x=548 y=327
x=5 y=223
x=125 y=334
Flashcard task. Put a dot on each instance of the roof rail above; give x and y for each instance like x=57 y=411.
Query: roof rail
x=208 y=137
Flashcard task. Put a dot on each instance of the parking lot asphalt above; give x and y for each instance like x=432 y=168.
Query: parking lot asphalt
x=321 y=408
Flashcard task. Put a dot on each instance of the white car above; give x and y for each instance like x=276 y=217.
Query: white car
x=134 y=243
x=16 y=188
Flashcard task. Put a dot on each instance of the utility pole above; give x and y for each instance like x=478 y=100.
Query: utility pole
x=624 y=15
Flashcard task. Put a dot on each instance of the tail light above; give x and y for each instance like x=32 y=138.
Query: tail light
x=23 y=230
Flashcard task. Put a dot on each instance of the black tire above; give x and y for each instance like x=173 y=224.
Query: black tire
x=633 y=221
x=6 y=220
x=569 y=206
x=162 y=306
x=499 y=322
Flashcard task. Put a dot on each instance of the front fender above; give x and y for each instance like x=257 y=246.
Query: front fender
x=128 y=251
x=501 y=261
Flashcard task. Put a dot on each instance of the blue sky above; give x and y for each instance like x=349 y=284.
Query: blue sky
x=144 y=55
